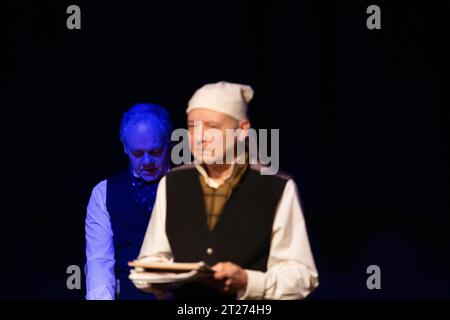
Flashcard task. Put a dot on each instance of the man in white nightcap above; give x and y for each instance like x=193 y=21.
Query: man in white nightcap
x=249 y=227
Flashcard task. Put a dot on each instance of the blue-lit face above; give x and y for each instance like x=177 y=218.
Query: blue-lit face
x=147 y=150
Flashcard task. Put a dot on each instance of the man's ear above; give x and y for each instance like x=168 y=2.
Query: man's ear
x=125 y=150
x=244 y=125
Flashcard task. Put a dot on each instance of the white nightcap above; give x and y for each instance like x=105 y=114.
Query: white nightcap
x=225 y=97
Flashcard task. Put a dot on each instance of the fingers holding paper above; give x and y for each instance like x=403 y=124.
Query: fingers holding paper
x=228 y=278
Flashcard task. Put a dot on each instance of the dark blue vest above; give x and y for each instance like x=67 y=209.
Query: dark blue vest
x=129 y=223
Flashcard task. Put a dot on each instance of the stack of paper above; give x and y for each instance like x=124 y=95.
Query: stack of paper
x=169 y=272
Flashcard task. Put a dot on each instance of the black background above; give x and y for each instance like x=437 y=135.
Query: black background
x=362 y=117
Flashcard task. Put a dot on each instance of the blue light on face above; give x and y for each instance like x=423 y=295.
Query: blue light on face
x=145 y=133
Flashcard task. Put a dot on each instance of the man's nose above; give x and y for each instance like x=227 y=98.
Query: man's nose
x=199 y=138
x=208 y=136
x=199 y=133
x=148 y=159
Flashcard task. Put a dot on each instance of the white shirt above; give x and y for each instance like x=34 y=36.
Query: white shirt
x=99 y=268
x=101 y=283
x=291 y=271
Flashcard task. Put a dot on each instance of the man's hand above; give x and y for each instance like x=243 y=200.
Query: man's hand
x=228 y=278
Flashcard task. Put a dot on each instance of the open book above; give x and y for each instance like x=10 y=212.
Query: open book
x=168 y=272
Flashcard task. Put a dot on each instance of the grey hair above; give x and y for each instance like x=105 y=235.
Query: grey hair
x=143 y=112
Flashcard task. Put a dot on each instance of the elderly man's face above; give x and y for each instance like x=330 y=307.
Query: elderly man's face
x=147 y=150
x=204 y=146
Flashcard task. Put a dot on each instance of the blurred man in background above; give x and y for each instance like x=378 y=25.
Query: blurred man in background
x=120 y=206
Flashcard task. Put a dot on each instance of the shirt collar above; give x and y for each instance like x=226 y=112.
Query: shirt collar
x=210 y=181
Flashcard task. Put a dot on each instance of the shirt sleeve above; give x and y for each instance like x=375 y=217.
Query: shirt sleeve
x=291 y=271
x=156 y=247
x=156 y=244
x=99 y=268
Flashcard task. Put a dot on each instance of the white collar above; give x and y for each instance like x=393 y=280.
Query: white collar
x=210 y=181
